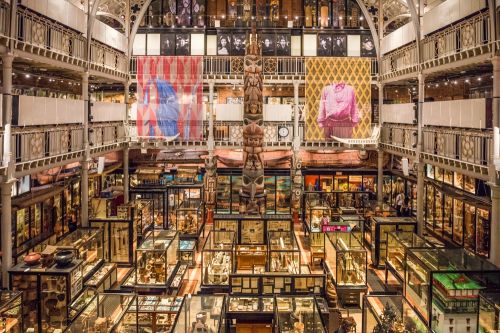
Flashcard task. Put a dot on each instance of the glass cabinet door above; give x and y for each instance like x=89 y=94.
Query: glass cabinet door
x=458 y=221
x=447 y=217
x=438 y=212
x=270 y=186
x=283 y=196
x=470 y=227
x=223 y=194
x=482 y=232
x=429 y=207
x=235 y=193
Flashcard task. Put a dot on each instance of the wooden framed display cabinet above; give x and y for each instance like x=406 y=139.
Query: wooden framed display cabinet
x=47 y=293
x=217 y=260
x=251 y=230
x=379 y=227
x=11 y=315
x=158 y=194
x=298 y=314
x=200 y=313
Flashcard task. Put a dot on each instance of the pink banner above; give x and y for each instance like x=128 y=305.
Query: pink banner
x=169 y=94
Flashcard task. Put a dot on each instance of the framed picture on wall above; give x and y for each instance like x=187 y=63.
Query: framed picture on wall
x=324 y=45
x=183 y=12
x=182 y=42
x=231 y=9
x=170 y=12
x=239 y=44
x=283 y=45
x=198 y=13
x=368 y=46
x=288 y=100
x=268 y=42
x=223 y=44
x=234 y=100
x=274 y=100
x=167 y=47
x=339 y=45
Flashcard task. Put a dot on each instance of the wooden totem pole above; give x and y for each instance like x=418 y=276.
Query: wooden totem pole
x=252 y=194
x=210 y=187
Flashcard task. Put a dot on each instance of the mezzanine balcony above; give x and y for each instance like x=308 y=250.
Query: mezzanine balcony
x=462 y=44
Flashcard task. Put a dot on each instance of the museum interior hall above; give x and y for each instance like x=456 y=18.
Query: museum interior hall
x=250 y=166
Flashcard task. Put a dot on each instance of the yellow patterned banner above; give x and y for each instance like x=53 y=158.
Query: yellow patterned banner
x=338 y=97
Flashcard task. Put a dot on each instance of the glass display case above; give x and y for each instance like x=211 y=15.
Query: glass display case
x=217 y=258
x=156 y=262
x=200 y=313
x=317 y=246
x=249 y=314
x=187 y=252
x=398 y=242
x=443 y=286
x=105 y=313
x=346 y=260
x=298 y=314
x=156 y=193
x=144 y=216
x=284 y=252
x=250 y=256
x=184 y=196
x=11 y=316
x=81 y=302
x=47 y=293
x=379 y=228
x=153 y=314
x=104 y=278
x=223 y=224
x=87 y=243
x=120 y=238
x=188 y=221
x=317 y=217
x=489 y=312
x=390 y=313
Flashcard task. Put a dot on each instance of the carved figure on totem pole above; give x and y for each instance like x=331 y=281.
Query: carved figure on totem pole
x=296 y=175
x=210 y=181
x=252 y=192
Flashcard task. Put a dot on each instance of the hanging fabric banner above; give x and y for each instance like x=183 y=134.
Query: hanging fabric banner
x=169 y=97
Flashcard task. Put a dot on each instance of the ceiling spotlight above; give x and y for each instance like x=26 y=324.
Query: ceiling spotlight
x=467 y=81
x=479 y=79
x=27 y=76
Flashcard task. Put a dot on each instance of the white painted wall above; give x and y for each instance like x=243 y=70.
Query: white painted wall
x=398 y=113
x=105 y=111
x=278 y=112
x=450 y=11
x=229 y=112
x=438 y=17
x=47 y=111
x=467 y=113
x=75 y=17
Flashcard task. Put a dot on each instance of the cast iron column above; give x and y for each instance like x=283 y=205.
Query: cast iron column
x=493 y=160
x=420 y=163
x=86 y=151
x=380 y=152
x=9 y=163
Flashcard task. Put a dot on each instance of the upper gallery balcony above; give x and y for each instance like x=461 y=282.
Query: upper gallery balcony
x=227 y=69
x=45 y=41
x=458 y=45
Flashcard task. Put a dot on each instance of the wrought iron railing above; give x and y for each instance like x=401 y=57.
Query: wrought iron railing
x=468 y=145
x=403 y=59
x=35 y=31
x=272 y=66
x=466 y=35
x=399 y=135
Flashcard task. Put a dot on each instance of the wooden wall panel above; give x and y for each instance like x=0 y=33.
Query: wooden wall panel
x=221 y=8
x=212 y=7
x=297 y=8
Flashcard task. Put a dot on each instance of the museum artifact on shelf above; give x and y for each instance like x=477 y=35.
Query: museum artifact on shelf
x=189 y=222
x=217 y=259
x=11 y=315
x=390 y=313
x=317 y=217
x=284 y=252
x=200 y=313
x=298 y=314
x=398 y=242
x=47 y=293
x=186 y=209
x=443 y=286
x=379 y=228
x=346 y=261
x=104 y=278
x=105 y=313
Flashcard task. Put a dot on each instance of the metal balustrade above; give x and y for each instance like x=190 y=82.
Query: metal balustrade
x=399 y=135
x=467 y=145
x=403 y=60
x=233 y=66
x=102 y=134
x=469 y=34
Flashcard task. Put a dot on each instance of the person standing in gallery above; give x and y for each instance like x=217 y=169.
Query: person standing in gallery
x=338 y=112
